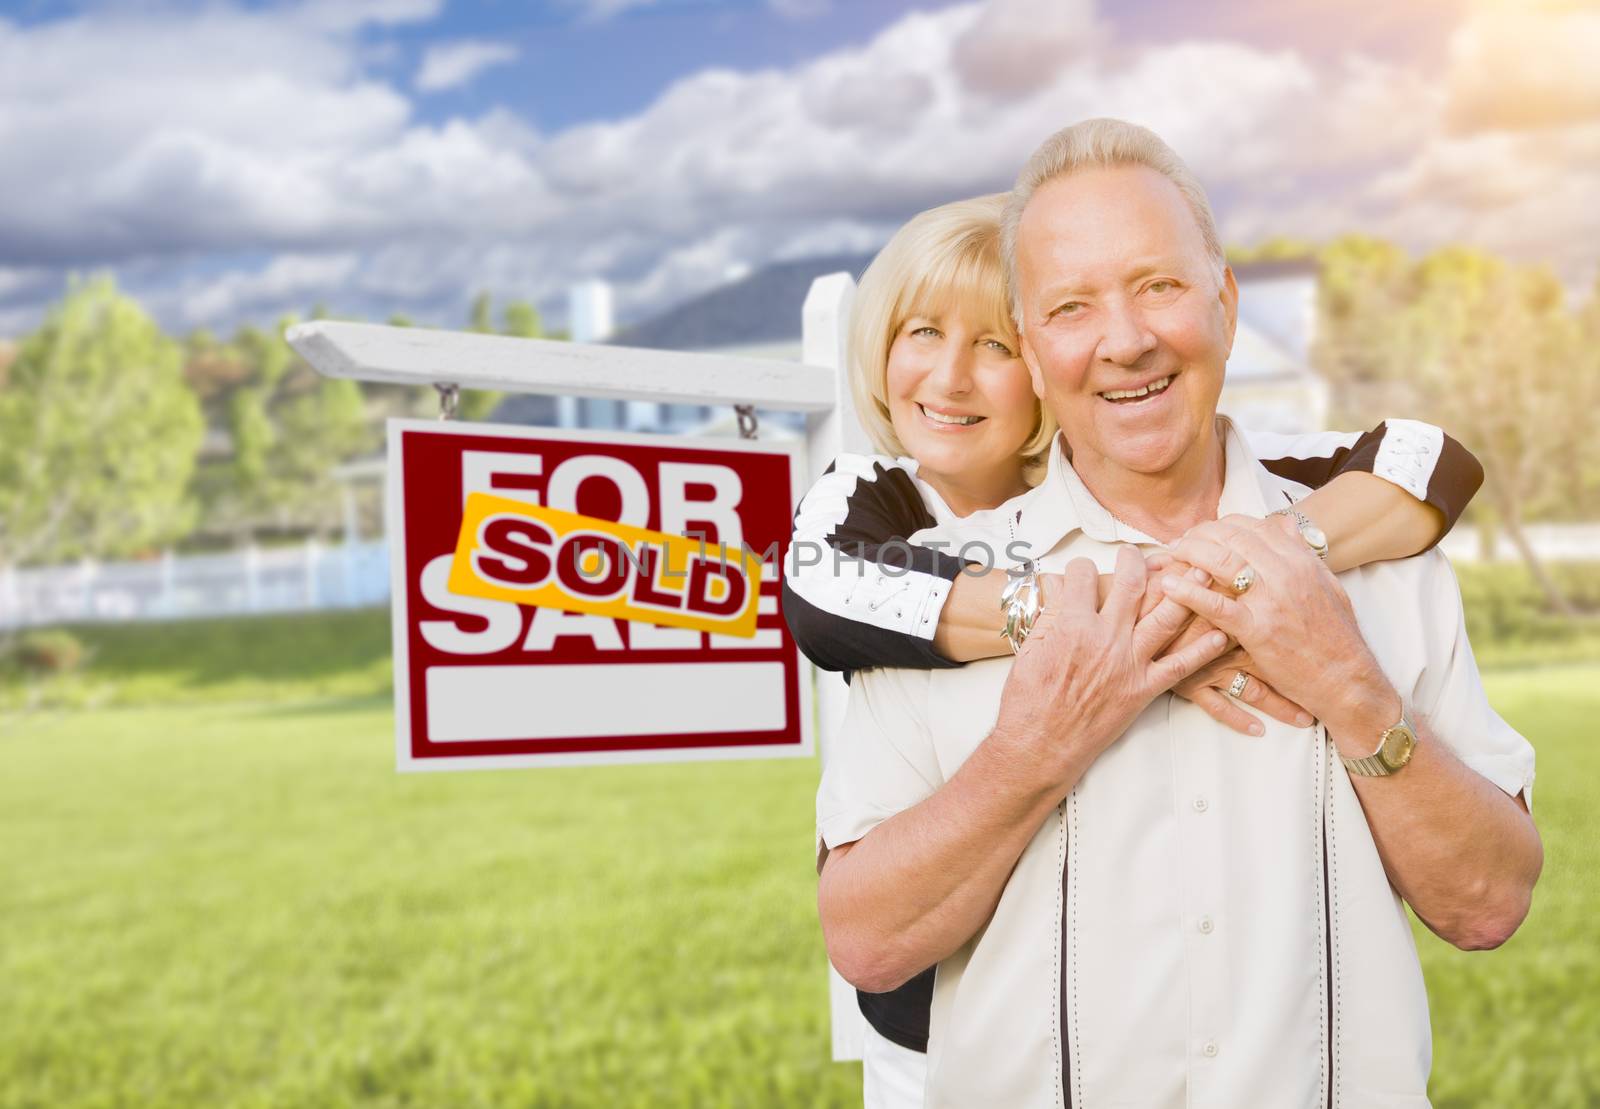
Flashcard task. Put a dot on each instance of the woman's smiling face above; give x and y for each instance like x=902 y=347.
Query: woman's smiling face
x=962 y=405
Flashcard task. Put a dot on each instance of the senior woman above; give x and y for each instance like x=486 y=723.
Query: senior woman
x=944 y=395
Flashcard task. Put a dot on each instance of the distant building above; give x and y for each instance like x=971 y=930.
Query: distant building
x=589 y=315
x=1270 y=384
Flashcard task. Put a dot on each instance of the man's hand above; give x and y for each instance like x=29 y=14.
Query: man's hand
x=1464 y=855
x=1295 y=620
x=1086 y=671
x=1211 y=686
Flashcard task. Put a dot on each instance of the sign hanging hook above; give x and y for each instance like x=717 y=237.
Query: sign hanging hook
x=748 y=425
x=449 y=399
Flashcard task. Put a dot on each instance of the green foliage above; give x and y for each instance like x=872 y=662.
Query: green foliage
x=482 y=320
x=1278 y=248
x=522 y=320
x=98 y=433
x=1488 y=350
x=1509 y=621
x=258 y=658
x=288 y=428
x=48 y=651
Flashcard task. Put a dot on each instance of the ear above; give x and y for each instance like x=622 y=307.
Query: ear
x=1031 y=360
x=1229 y=296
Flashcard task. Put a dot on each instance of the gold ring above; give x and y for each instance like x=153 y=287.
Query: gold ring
x=1240 y=680
x=1244 y=579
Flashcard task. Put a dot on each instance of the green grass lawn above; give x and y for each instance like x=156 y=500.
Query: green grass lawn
x=207 y=901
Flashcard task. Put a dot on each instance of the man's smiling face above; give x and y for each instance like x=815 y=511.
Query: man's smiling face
x=1126 y=324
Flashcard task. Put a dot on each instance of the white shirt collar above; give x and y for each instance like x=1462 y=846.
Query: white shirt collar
x=1063 y=504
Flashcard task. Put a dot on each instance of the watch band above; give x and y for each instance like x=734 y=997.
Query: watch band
x=1375 y=765
x=1370 y=766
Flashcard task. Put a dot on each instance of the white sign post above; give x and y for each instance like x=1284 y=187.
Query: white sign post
x=816 y=385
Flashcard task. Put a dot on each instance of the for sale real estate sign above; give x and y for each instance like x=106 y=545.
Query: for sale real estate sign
x=579 y=597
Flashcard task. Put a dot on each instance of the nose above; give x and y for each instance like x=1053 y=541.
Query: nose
x=951 y=374
x=1126 y=339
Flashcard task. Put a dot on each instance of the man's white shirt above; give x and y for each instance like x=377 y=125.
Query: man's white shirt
x=1204 y=920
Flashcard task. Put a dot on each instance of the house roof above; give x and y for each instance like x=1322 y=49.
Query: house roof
x=763 y=307
x=1272 y=269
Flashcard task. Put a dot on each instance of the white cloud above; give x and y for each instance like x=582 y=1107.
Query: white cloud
x=237 y=130
x=1018 y=46
x=1524 y=69
x=350 y=15
x=605 y=9
x=451 y=64
x=801 y=9
x=289 y=278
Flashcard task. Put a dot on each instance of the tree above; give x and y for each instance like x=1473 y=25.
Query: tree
x=286 y=429
x=98 y=433
x=1276 y=249
x=482 y=315
x=1475 y=344
x=522 y=320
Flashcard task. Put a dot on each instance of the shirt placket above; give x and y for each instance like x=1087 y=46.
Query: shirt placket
x=1202 y=819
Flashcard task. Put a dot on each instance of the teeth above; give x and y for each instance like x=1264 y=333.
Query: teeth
x=964 y=421
x=1153 y=387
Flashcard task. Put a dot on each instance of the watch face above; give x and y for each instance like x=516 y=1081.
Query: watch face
x=1397 y=745
x=1315 y=537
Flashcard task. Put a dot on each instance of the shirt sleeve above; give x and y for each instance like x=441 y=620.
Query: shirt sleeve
x=1448 y=699
x=1418 y=457
x=856 y=593
x=884 y=763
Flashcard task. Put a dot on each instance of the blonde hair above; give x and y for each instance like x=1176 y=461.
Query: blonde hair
x=945 y=258
x=1103 y=144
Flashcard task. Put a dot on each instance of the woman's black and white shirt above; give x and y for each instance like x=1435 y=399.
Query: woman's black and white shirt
x=857 y=594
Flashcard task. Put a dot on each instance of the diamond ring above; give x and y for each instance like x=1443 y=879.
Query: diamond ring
x=1244 y=579
x=1240 y=680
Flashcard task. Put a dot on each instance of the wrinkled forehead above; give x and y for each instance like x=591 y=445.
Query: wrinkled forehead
x=1105 y=224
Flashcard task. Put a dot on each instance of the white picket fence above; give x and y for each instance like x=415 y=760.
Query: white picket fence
x=1551 y=542
x=176 y=587
x=349 y=575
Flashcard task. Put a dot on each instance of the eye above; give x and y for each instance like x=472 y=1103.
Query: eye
x=1070 y=308
x=925 y=329
x=1161 y=285
x=999 y=348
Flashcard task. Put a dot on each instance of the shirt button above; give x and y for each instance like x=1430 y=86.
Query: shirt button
x=1206 y=926
x=1201 y=804
x=1210 y=1050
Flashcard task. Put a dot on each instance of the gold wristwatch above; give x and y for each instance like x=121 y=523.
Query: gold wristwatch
x=1394 y=751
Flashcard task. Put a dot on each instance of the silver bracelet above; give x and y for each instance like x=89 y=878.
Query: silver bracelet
x=1022 y=600
x=1314 y=537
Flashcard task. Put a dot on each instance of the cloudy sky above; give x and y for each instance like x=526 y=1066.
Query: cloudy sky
x=236 y=159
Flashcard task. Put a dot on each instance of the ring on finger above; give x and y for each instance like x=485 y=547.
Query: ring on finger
x=1244 y=579
x=1240 y=680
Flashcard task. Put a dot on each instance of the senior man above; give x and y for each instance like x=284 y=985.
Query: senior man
x=1128 y=903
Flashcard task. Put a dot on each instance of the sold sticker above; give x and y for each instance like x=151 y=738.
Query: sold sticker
x=510 y=550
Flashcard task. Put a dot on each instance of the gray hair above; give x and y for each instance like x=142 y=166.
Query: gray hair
x=1102 y=144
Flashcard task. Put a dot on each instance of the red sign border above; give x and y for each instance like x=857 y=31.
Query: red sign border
x=722 y=747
